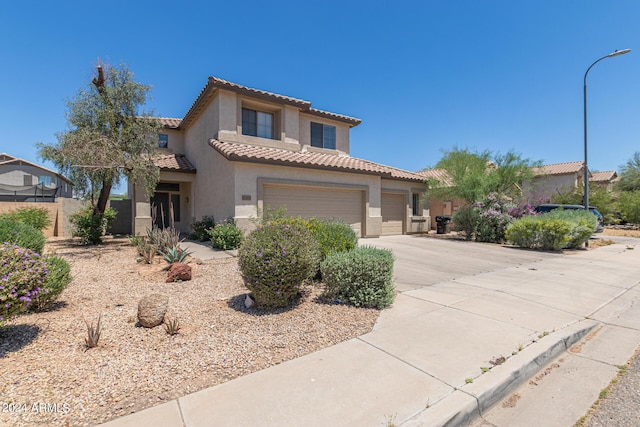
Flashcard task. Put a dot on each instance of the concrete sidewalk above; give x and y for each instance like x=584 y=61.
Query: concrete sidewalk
x=462 y=308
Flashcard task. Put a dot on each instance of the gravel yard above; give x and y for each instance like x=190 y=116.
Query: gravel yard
x=49 y=377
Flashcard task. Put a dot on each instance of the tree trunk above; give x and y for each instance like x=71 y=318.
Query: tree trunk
x=103 y=198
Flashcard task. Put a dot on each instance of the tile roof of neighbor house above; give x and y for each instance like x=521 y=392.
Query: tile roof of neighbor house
x=259 y=154
x=559 y=168
x=440 y=174
x=174 y=163
x=169 y=122
x=604 y=176
x=214 y=83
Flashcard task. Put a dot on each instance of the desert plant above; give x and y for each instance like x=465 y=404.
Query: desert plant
x=582 y=225
x=275 y=260
x=629 y=206
x=226 y=236
x=147 y=251
x=163 y=238
x=171 y=325
x=175 y=254
x=57 y=278
x=200 y=229
x=466 y=221
x=21 y=234
x=362 y=277
x=23 y=274
x=135 y=240
x=333 y=236
x=90 y=226
x=38 y=218
x=93 y=333
x=553 y=230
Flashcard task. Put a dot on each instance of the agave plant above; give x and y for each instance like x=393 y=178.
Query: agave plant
x=93 y=333
x=171 y=325
x=175 y=254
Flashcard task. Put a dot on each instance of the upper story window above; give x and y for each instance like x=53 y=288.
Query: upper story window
x=163 y=140
x=45 y=180
x=257 y=123
x=323 y=136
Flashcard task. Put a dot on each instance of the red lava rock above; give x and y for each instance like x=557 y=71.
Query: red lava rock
x=179 y=272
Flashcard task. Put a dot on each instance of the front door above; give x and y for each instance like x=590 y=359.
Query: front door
x=161 y=210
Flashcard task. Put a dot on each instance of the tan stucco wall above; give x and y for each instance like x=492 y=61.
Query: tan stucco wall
x=541 y=189
x=247 y=176
x=58 y=211
x=176 y=141
x=342 y=131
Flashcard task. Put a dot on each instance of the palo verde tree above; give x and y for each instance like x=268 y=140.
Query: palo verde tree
x=109 y=137
x=476 y=175
x=630 y=174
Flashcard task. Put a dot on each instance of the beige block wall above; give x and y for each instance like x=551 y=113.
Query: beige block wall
x=58 y=211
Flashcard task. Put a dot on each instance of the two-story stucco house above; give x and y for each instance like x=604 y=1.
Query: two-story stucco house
x=240 y=150
x=24 y=181
x=550 y=180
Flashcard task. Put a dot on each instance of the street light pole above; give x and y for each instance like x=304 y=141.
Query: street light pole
x=585 y=175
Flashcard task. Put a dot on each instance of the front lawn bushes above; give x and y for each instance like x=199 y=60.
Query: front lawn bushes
x=57 y=278
x=200 y=229
x=362 y=277
x=91 y=226
x=226 y=236
x=333 y=236
x=275 y=260
x=38 y=218
x=554 y=230
x=21 y=234
x=22 y=278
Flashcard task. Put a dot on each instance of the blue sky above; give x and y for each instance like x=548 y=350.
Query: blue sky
x=422 y=75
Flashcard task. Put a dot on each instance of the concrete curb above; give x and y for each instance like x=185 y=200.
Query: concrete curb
x=469 y=402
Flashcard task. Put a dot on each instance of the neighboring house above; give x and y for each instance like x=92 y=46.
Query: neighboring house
x=23 y=181
x=438 y=207
x=239 y=151
x=604 y=179
x=553 y=179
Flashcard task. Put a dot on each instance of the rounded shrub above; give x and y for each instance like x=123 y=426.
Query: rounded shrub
x=91 y=226
x=56 y=280
x=466 y=220
x=38 y=218
x=362 y=277
x=275 y=260
x=581 y=222
x=21 y=234
x=333 y=236
x=200 y=229
x=226 y=236
x=23 y=275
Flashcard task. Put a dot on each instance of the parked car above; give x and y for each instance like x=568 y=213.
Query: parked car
x=548 y=207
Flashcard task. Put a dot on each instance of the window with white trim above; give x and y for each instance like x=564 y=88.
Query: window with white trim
x=323 y=136
x=257 y=123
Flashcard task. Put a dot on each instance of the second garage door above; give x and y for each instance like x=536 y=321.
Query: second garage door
x=393 y=213
x=345 y=205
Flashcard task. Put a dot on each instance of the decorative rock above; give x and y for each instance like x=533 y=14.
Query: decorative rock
x=179 y=272
x=249 y=301
x=151 y=310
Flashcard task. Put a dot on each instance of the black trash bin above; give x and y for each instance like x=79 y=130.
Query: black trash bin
x=442 y=224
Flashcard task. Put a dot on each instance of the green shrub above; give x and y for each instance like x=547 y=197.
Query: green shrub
x=332 y=236
x=22 y=277
x=21 y=234
x=275 y=260
x=38 y=218
x=629 y=206
x=57 y=278
x=554 y=230
x=466 y=220
x=200 y=229
x=91 y=226
x=226 y=236
x=362 y=277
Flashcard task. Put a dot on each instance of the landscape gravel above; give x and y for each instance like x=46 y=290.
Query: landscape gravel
x=49 y=377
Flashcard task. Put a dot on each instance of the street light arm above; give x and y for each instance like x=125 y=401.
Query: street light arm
x=591 y=66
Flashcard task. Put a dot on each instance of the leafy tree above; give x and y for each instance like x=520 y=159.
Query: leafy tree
x=475 y=175
x=110 y=137
x=630 y=174
x=629 y=206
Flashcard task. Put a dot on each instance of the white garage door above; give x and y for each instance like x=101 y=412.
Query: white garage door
x=393 y=213
x=327 y=203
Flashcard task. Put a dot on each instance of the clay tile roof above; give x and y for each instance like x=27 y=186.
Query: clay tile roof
x=605 y=176
x=214 y=83
x=170 y=122
x=259 y=154
x=439 y=174
x=559 y=168
x=174 y=163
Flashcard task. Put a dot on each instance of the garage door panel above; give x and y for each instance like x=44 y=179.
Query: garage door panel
x=345 y=205
x=393 y=214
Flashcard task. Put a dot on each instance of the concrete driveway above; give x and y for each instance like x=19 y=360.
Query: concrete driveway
x=471 y=322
